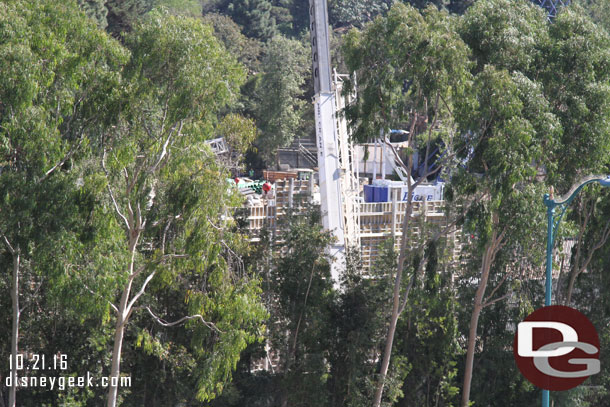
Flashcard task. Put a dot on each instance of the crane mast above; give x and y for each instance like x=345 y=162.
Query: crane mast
x=329 y=165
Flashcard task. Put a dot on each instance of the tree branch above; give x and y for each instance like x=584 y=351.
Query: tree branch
x=62 y=161
x=114 y=307
x=8 y=244
x=116 y=205
x=142 y=290
x=164 y=150
x=495 y=289
x=487 y=304
x=160 y=321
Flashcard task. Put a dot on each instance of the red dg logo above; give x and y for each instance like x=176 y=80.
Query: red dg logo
x=556 y=348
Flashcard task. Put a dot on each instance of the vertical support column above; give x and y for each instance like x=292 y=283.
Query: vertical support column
x=310 y=186
x=375 y=161
x=550 y=212
x=291 y=193
x=549 y=256
x=326 y=134
x=382 y=164
x=394 y=203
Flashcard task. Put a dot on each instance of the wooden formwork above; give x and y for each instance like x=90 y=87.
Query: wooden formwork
x=292 y=193
x=379 y=221
x=288 y=193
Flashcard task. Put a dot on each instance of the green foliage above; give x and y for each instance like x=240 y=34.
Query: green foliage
x=174 y=63
x=292 y=17
x=279 y=94
x=57 y=83
x=303 y=288
x=177 y=81
x=404 y=63
x=95 y=10
x=428 y=337
x=73 y=99
x=577 y=78
x=239 y=133
x=359 y=323
x=59 y=75
x=254 y=15
x=124 y=14
x=186 y=8
x=508 y=34
x=356 y=13
x=247 y=50
x=58 y=80
x=515 y=126
x=517 y=100
x=566 y=62
x=598 y=11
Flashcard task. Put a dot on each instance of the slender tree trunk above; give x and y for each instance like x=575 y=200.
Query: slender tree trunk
x=576 y=267
x=581 y=265
x=488 y=259
x=15 y=330
x=115 y=370
x=387 y=353
x=472 y=335
x=573 y=276
x=121 y=322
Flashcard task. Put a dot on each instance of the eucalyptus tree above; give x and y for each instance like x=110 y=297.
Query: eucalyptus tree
x=57 y=76
x=279 y=93
x=302 y=296
x=505 y=135
x=255 y=16
x=411 y=68
x=598 y=12
x=577 y=80
x=557 y=116
x=163 y=212
x=95 y=10
x=123 y=15
x=511 y=114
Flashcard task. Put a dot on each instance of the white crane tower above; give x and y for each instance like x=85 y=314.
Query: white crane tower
x=338 y=187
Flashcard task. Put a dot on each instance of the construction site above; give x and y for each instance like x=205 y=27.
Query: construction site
x=362 y=189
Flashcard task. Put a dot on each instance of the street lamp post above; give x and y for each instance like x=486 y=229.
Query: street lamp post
x=553 y=220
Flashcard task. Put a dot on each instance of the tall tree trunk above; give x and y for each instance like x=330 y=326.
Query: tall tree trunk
x=15 y=330
x=580 y=266
x=115 y=370
x=121 y=322
x=488 y=259
x=396 y=306
x=387 y=353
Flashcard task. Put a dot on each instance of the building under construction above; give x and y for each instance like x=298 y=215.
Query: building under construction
x=360 y=205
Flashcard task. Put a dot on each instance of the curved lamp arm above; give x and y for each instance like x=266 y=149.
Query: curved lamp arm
x=569 y=197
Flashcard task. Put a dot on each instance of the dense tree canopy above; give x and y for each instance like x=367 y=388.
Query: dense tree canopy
x=279 y=106
x=115 y=137
x=118 y=241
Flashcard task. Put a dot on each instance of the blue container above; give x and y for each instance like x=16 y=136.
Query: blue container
x=369 y=193
x=381 y=194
